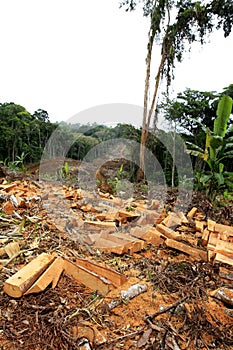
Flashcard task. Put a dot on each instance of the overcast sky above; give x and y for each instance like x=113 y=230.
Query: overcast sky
x=68 y=56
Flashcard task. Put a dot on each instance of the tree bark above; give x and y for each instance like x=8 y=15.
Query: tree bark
x=147 y=115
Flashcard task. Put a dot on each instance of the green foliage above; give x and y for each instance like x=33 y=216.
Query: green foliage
x=116 y=182
x=23 y=133
x=65 y=170
x=217 y=148
x=191 y=110
x=223 y=115
x=18 y=164
x=193 y=20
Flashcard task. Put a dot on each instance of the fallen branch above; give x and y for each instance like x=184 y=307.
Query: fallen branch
x=15 y=256
x=128 y=294
x=166 y=309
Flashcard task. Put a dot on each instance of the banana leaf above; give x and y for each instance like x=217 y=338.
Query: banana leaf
x=220 y=178
x=223 y=114
x=216 y=141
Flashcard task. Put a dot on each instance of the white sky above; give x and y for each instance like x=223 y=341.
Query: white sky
x=68 y=56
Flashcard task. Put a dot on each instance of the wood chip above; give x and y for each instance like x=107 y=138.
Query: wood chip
x=12 y=248
x=192 y=212
x=211 y=225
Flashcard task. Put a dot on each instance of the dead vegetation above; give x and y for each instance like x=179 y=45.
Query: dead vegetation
x=176 y=289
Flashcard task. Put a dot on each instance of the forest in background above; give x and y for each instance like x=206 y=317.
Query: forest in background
x=191 y=115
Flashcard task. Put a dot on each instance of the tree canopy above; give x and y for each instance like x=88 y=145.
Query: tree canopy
x=175 y=25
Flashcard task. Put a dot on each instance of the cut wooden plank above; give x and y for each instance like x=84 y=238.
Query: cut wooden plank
x=199 y=225
x=12 y=248
x=7 y=187
x=223 y=259
x=88 y=208
x=126 y=243
x=169 y=233
x=150 y=235
x=205 y=237
x=16 y=285
x=196 y=253
x=110 y=243
x=192 y=212
x=127 y=214
x=99 y=225
x=147 y=217
x=225 y=248
x=211 y=225
x=88 y=278
x=226 y=274
x=116 y=278
x=227 y=230
x=124 y=216
x=109 y=216
x=184 y=220
x=108 y=246
x=51 y=275
x=213 y=239
x=172 y=220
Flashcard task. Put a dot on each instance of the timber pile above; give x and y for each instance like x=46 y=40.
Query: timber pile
x=46 y=269
x=217 y=239
x=166 y=291
x=113 y=226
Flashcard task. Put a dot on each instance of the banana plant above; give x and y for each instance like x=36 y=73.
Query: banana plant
x=218 y=146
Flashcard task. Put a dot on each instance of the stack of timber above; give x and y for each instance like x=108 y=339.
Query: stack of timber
x=46 y=270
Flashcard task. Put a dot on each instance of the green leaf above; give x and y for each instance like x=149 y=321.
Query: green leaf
x=223 y=113
x=219 y=178
x=229 y=145
x=221 y=166
x=216 y=142
x=195 y=153
x=228 y=173
x=205 y=178
x=194 y=147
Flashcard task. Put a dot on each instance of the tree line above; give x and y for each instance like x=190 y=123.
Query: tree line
x=24 y=136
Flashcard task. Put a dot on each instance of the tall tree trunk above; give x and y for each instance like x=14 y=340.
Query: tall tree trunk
x=174 y=156
x=147 y=115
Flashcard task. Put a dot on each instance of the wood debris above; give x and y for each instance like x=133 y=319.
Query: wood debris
x=141 y=223
x=20 y=282
x=46 y=269
x=128 y=294
x=161 y=255
x=223 y=294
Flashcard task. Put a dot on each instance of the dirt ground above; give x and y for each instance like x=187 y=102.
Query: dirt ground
x=177 y=311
